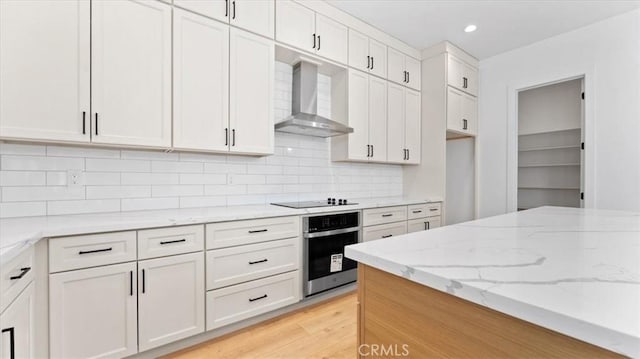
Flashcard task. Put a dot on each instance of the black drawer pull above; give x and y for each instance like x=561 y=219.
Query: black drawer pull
x=387 y=235
x=260 y=261
x=23 y=272
x=433 y=209
x=259 y=231
x=417 y=211
x=258 y=298
x=96 y=251
x=12 y=341
x=387 y=215
x=174 y=241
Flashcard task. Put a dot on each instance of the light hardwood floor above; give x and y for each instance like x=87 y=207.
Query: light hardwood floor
x=326 y=330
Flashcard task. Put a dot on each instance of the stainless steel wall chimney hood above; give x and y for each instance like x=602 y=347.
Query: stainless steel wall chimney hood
x=304 y=108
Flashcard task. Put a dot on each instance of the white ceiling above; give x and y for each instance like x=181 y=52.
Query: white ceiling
x=502 y=25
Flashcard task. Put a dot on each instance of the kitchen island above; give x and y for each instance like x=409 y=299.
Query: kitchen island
x=546 y=282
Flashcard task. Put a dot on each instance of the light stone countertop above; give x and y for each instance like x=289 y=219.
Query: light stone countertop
x=574 y=271
x=17 y=234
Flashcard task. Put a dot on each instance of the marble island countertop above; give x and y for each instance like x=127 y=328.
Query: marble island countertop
x=574 y=271
x=18 y=233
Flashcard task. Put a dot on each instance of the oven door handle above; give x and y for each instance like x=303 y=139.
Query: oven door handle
x=330 y=233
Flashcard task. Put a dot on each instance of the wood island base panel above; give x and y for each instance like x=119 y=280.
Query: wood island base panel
x=401 y=318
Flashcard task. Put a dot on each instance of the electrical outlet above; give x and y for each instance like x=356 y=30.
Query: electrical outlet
x=75 y=178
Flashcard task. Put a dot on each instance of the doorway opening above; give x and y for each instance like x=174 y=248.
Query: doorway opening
x=551 y=145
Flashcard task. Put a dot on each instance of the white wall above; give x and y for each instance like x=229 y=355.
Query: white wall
x=33 y=178
x=607 y=53
x=550 y=108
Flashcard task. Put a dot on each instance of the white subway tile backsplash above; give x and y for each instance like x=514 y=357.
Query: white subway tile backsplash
x=33 y=178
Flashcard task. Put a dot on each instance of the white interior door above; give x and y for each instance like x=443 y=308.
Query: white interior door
x=395 y=123
x=295 y=25
x=255 y=16
x=217 y=9
x=131 y=73
x=252 y=63
x=200 y=82
x=332 y=39
x=378 y=53
x=395 y=66
x=17 y=322
x=378 y=118
x=413 y=132
x=359 y=51
x=44 y=70
x=358 y=115
x=93 y=312
x=170 y=299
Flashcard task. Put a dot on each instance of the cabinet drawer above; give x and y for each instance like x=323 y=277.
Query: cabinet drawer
x=417 y=211
x=375 y=216
x=161 y=242
x=423 y=224
x=238 y=302
x=228 y=234
x=384 y=231
x=235 y=265
x=433 y=209
x=15 y=275
x=67 y=253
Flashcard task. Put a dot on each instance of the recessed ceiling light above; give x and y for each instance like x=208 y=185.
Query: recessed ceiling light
x=470 y=28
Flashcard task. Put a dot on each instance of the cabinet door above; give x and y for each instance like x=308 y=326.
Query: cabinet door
x=470 y=113
x=332 y=39
x=170 y=299
x=252 y=65
x=395 y=66
x=252 y=15
x=454 y=110
x=396 y=150
x=471 y=75
x=359 y=51
x=413 y=72
x=17 y=328
x=378 y=53
x=200 y=82
x=455 y=70
x=217 y=9
x=412 y=126
x=378 y=118
x=44 y=67
x=295 y=25
x=358 y=115
x=131 y=73
x=93 y=312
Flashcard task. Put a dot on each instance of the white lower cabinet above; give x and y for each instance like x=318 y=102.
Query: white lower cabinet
x=17 y=326
x=384 y=231
x=170 y=299
x=232 y=304
x=93 y=312
x=423 y=224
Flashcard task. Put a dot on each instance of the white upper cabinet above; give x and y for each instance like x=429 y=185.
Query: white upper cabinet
x=252 y=67
x=131 y=73
x=462 y=112
x=295 y=25
x=461 y=75
x=378 y=119
x=403 y=127
x=44 y=70
x=358 y=141
x=403 y=69
x=367 y=54
x=301 y=27
x=254 y=15
x=200 y=82
x=170 y=299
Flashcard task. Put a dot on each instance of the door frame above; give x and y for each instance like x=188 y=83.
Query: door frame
x=588 y=136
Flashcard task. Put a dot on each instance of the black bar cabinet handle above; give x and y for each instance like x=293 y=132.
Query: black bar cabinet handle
x=368 y=61
x=84 y=122
x=258 y=231
x=417 y=211
x=174 y=241
x=96 y=123
x=428 y=225
x=226 y=136
x=371 y=62
x=260 y=261
x=144 y=282
x=371 y=150
x=314 y=41
x=131 y=283
x=433 y=209
x=368 y=155
x=96 y=251
x=464 y=82
x=464 y=123
x=387 y=215
x=318 y=42
x=226 y=8
x=408 y=77
x=408 y=154
x=387 y=236
x=23 y=272
x=12 y=341
x=233 y=137
x=258 y=298
x=234 y=9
